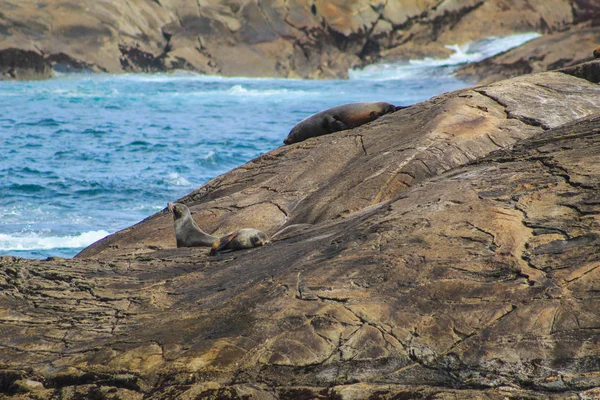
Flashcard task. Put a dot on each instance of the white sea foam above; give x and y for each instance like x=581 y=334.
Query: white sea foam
x=148 y=207
x=173 y=178
x=35 y=241
x=240 y=90
x=463 y=54
x=210 y=157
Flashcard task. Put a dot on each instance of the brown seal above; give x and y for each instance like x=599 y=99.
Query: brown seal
x=187 y=233
x=346 y=116
x=597 y=52
x=243 y=239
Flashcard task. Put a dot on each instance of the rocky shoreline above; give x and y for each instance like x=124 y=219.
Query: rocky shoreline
x=547 y=53
x=448 y=250
x=275 y=38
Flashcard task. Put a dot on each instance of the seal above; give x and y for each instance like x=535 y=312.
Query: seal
x=243 y=239
x=597 y=52
x=340 y=118
x=187 y=233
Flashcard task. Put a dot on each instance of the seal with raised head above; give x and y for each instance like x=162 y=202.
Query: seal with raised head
x=243 y=239
x=340 y=118
x=187 y=232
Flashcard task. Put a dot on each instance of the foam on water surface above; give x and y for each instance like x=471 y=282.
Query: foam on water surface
x=36 y=241
x=463 y=54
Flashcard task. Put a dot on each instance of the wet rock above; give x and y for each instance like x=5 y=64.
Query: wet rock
x=451 y=253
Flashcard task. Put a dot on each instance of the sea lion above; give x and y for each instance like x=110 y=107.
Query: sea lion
x=187 y=233
x=346 y=116
x=597 y=52
x=243 y=239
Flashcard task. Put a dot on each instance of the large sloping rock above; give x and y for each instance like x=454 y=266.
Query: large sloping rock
x=286 y=38
x=469 y=270
x=326 y=178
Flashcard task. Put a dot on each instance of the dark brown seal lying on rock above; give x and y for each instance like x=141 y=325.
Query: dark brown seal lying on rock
x=340 y=118
x=188 y=234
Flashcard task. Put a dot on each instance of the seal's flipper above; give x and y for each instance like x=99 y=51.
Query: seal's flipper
x=335 y=125
x=222 y=243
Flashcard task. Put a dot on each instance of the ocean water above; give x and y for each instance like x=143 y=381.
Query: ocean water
x=86 y=155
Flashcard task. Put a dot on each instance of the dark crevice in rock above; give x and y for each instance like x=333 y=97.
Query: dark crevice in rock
x=557 y=170
x=64 y=63
x=362 y=144
x=492 y=246
x=341 y=41
x=494 y=141
x=23 y=65
x=133 y=59
x=525 y=119
x=283 y=211
x=371 y=48
x=450 y=19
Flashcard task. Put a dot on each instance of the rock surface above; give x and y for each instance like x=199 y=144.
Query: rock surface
x=283 y=38
x=452 y=253
x=559 y=49
x=549 y=52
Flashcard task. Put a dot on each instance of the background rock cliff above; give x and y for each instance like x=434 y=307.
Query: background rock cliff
x=555 y=50
x=448 y=250
x=283 y=38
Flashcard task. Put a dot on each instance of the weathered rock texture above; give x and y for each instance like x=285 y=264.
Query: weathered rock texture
x=549 y=52
x=286 y=38
x=452 y=254
x=553 y=51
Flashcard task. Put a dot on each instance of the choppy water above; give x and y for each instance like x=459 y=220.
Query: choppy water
x=84 y=156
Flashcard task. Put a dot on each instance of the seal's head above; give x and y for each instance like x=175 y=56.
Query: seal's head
x=259 y=239
x=384 y=108
x=179 y=210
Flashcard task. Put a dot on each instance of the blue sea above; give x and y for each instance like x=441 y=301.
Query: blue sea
x=85 y=155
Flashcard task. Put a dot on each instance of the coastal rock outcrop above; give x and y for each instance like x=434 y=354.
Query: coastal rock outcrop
x=324 y=179
x=291 y=38
x=549 y=52
x=558 y=49
x=448 y=250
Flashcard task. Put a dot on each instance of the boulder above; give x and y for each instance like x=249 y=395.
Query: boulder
x=448 y=250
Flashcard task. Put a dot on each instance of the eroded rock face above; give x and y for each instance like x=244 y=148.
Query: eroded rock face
x=452 y=253
x=284 y=38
